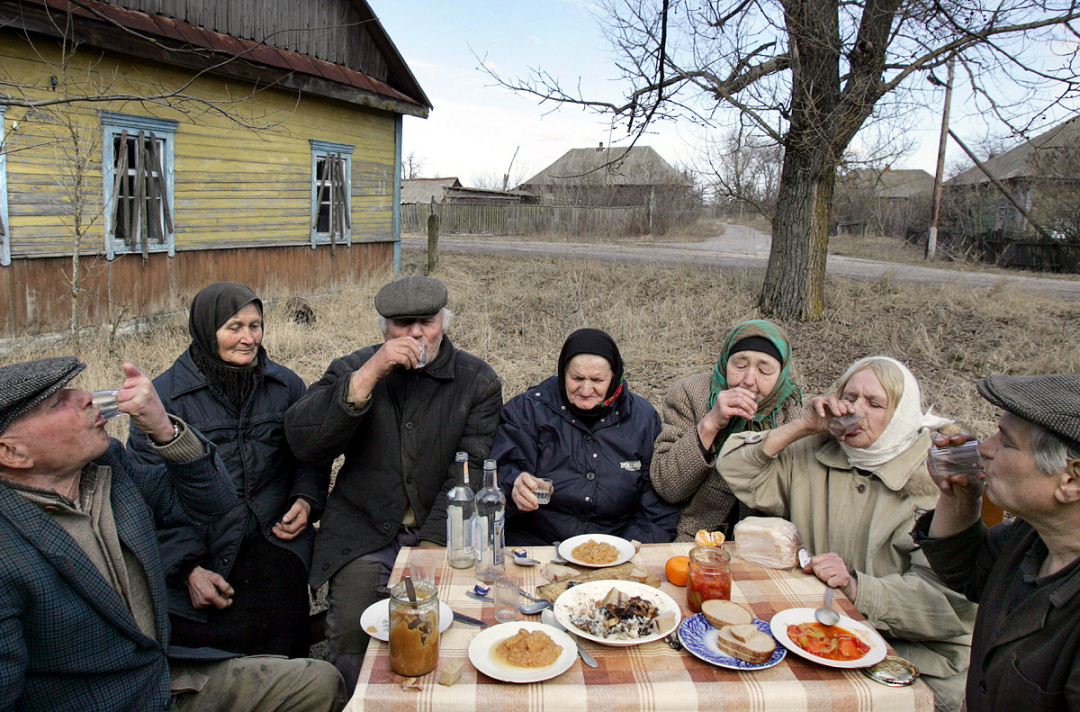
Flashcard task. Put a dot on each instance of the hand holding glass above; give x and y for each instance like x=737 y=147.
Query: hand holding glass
x=543 y=489
x=105 y=401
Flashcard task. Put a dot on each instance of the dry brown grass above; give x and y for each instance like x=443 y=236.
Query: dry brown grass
x=669 y=323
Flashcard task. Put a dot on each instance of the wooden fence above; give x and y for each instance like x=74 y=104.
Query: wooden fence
x=526 y=219
x=994 y=249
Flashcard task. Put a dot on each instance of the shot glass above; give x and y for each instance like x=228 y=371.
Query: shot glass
x=423 y=356
x=543 y=490
x=422 y=569
x=844 y=425
x=105 y=401
x=506 y=598
x=956 y=460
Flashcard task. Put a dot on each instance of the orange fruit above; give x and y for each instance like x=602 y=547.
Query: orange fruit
x=677 y=570
x=707 y=538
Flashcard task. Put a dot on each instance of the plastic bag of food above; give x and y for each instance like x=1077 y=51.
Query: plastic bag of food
x=768 y=541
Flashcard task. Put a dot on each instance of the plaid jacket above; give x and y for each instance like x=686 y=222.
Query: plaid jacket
x=67 y=639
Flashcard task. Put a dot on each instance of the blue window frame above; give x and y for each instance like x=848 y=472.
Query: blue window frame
x=137 y=167
x=331 y=193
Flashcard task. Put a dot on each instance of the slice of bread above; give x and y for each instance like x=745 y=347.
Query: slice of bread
x=745 y=632
x=722 y=613
x=756 y=649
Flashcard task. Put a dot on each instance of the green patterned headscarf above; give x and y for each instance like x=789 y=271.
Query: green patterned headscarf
x=781 y=392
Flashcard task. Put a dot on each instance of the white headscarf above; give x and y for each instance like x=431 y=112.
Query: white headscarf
x=903 y=430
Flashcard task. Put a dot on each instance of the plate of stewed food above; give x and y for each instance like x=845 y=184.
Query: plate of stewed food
x=617 y=613
x=848 y=644
x=596 y=550
x=522 y=652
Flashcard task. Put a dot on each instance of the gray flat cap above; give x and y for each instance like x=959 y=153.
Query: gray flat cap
x=1051 y=401
x=24 y=385
x=410 y=298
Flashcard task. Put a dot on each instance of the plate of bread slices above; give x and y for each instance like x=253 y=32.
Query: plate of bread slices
x=727 y=634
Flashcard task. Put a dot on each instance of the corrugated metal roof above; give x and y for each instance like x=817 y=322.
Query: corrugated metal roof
x=1018 y=162
x=248 y=50
x=641 y=165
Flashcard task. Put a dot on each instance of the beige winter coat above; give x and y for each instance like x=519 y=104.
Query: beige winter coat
x=680 y=472
x=867 y=520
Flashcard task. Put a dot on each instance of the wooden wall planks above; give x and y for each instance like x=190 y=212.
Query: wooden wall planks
x=35 y=296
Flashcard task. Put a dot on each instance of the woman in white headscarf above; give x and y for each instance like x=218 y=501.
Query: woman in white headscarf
x=854 y=501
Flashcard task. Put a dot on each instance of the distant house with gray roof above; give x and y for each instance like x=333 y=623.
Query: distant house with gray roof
x=1042 y=173
x=608 y=177
x=887 y=201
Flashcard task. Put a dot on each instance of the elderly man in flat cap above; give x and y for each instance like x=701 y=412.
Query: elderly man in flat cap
x=1024 y=573
x=84 y=618
x=398 y=411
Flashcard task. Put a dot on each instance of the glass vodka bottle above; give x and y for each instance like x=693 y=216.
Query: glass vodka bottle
x=488 y=532
x=460 y=515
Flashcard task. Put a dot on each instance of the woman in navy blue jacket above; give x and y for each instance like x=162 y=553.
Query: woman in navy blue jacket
x=593 y=438
x=241 y=585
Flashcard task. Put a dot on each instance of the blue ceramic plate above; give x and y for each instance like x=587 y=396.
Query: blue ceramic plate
x=699 y=638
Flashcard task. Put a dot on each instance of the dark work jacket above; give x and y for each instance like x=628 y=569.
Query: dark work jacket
x=399 y=447
x=68 y=640
x=1025 y=657
x=600 y=475
x=267 y=477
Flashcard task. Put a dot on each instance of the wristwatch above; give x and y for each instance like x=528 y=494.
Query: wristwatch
x=175 y=435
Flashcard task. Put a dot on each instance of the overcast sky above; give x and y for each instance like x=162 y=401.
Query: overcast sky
x=476 y=126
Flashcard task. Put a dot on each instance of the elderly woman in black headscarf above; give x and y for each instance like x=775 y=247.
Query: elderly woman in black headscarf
x=591 y=436
x=241 y=585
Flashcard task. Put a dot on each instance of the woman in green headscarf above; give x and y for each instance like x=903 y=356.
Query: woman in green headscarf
x=751 y=388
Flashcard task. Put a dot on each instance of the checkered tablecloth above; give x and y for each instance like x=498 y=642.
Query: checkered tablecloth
x=652 y=676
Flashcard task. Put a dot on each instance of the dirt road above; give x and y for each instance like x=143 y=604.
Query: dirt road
x=745 y=248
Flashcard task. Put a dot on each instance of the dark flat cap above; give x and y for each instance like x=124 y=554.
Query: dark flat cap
x=411 y=297
x=24 y=385
x=1051 y=401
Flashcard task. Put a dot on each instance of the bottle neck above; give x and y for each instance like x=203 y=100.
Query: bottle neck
x=491 y=478
x=463 y=475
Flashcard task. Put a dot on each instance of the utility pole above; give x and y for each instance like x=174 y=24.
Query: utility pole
x=931 y=239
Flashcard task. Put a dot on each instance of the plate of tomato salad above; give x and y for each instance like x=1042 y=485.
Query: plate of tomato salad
x=848 y=644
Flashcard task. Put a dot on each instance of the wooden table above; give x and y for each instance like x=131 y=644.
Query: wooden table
x=652 y=676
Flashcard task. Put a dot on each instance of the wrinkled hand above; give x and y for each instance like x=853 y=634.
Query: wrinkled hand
x=820 y=410
x=207 y=588
x=952 y=439
x=294 y=521
x=831 y=569
x=522 y=493
x=402 y=352
x=138 y=398
x=732 y=403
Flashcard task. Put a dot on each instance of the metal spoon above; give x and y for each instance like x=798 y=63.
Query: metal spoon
x=558 y=559
x=826 y=615
x=530 y=610
x=548 y=618
x=520 y=559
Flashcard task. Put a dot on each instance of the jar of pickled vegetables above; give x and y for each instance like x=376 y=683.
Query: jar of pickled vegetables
x=709 y=576
x=414 y=629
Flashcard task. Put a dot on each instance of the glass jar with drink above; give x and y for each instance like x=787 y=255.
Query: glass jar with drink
x=709 y=576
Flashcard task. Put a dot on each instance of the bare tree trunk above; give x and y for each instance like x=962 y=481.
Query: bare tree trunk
x=795 y=278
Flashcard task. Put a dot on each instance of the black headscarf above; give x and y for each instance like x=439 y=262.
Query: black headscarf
x=212 y=307
x=591 y=341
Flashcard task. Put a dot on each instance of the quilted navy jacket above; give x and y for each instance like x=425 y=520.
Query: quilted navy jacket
x=67 y=639
x=600 y=475
x=266 y=475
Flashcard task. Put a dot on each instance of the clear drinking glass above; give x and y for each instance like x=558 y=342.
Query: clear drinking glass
x=506 y=598
x=543 y=490
x=961 y=459
x=105 y=401
x=845 y=425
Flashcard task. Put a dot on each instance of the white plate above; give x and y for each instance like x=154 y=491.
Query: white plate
x=377 y=616
x=699 y=637
x=795 y=616
x=626 y=549
x=586 y=594
x=481 y=646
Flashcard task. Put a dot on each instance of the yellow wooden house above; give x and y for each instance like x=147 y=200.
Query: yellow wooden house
x=150 y=147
